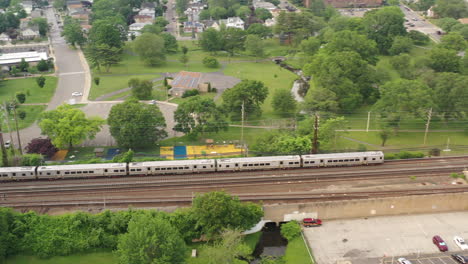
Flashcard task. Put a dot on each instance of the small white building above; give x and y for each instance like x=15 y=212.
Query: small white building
x=135 y=28
x=33 y=57
x=4 y=37
x=233 y=22
x=29 y=34
x=147 y=12
x=262 y=4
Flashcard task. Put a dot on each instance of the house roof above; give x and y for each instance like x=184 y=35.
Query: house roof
x=209 y=23
x=32 y=56
x=29 y=32
x=190 y=24
x=463 y=20
x=186 y=80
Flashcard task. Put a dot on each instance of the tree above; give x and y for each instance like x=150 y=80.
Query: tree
x=330 y=130
x=451 y=8
x=453 y=41
x=284 y=102
x=418 y=38
x=23 y=66
x=134 y=124
x=20 y=97
x=97 y=80
x=249 y=93
x=22 y=114
x=211 y=40
x=320 y=99
x=41 y=146
x=444 y=60
x=243 y=12
x=298 y=26
x=403 y=65
x=125 y=157
x=189 y=93
x=382 y=25
x=31 y=160
x=199 y=115
x=42 y=65
x=210 y=62
x=67 y=126
x=161 y=22
x=73 y=33
x=233 y=39
x=41 y=81
x=450 y=94
x=385 y=133
x=150 y=48
x=290 y=230
x=141 y=89
x=106 y=31
x=217 y=211
x=184 y=58
x=103 y=55
x=151 y=239
x=151 y=28
x=447 y=23
x=41 y=22
x=352 y=41
x=310 y=46
x=254 y=46
x=282 y=144
x=263 y=14
x=170 y=42
x=400 y=45
x=260 y=30
x=228 y=249
x=218 y=12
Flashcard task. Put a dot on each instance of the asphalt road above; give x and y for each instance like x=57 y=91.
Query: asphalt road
x=420 y=24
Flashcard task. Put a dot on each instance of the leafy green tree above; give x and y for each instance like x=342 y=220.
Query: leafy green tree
x=184 y=57
x=447 y=23
x=310 y=46
x=248 y=92
x=97 y=80
x=418 y=38
x=243 y=12
x=260 y=30
x=141 y=89
x=211 y=40
x=400 y=45
x=453 y=41
x=282 y=144
x=450 y=94
x=210 y=62
x=150 y=48
x=382 y=25
x=170 y=43
x=263 y=14
x=320 y=99
x=298 y=26
x=352 y=41
x=105 y=32
x=451 y=8
x=21 y=97
x=385 y=133
x=290 y=230
x=228 y=249
x=184 y=220
x=199 y=115
x=339 y=23
x=8 y=239
x=205 y=14
x=32 y=160
x=103 y=55
x=22 y=114
x=218 y=12
x=217 y=211
x=151 y=28
x=254 y=46
x=41 y=22
x=73 y=33
x=233 y=39
x=67 y=126
x=284 y=102
x=134 y=124
x=151 y=239
x=42 y=65
x=60 y=4
x=444 y=60
x=330 y=130
x=23 y=66
x=41 y=80
x=403 y=65
x=161 y=22
x=181 y=6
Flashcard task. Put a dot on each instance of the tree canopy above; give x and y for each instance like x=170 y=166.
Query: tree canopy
x=67 y=126
x=134 y=124
x=150 y=48
x=248 y=92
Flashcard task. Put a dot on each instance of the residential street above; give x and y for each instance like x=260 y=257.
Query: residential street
x=420 y=24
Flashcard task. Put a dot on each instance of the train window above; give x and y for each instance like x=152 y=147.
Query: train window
x=204 y=167
x=47 y=174
x=365 y=158
x=244 y=165
x=116 y=170
x=268 y=164
x=67 y=172
x=132 y=169
x=72 y=172
x=346 y=160
x=211 y=166
x=321 y=161
x=105 y=170
x=237 y=164
x=194 y=166
x=14 y=174
x=163 y=168
x=250 y=165
x=312 y=162
x=373 y=158
x=157 y=169
x=181 y=168
x=149 y=168
x=297 y=162
x=262 y=164
x=138 y=169
x=290 y=163
x=306 y=162
x=380 y=157
x=227 y=166
x=91 y=171
x=220 y=165
x=58 y=172
x=25 y=174
x=340 y=160
x=78 y=172
x=186 y=168
x=122 y=170
x=281 y=163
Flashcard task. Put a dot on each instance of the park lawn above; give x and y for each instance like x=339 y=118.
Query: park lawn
x=296 y=252
x=274 y=48
x=32 y=114
x=105 y=257
x=119 y=96
x=265 y=72
x=179 y=100
x=8 y=89
x=112 y=83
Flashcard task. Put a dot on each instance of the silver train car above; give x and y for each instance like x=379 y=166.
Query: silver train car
x=155 y=168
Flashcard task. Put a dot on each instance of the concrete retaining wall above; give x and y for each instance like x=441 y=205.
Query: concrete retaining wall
x=371 y=207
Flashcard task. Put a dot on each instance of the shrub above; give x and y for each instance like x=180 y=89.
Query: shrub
x=434 y=152
x=22 y=114
x=21 y=97
x=290 y=230
x=97 y=80
x=189 y=93
x=32 y=160
x=41 y=146
x=404 y=155
x=210 y=62
x=41 y=81
x=42 y=65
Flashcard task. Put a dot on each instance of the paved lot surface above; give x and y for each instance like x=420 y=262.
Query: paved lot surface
x=378 y=239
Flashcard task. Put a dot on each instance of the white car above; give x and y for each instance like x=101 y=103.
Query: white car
x=77 y=94
x=460 y=242
x=152 y=102
x=403 y=261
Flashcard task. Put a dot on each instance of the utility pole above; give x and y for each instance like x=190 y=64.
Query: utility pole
x=242 y=122
x=368 y=121
x=429 y=115
x=17 y=131
x=7 y=118
x=4 y=152
x=315 y=139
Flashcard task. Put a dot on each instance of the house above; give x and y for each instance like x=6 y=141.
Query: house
x=270 y=22
x=197 y=27
x=24 y=23
x=463 y=20
x=11 y=59
x=348 y=3
x=262 y=4
x=211 y=24
x=143 y=19
x=233 y=22
x=184 y=81
x=147 y=12
x=4 y=37
x=29 y=34
x=27 y=6
x=37 y=13
x=135 y=28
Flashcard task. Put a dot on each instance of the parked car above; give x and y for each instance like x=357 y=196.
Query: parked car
x=440 y=243
x=77 y=94
x=8 y=144
x=310 y=222
x=460 y=259
x=403 y=261
x=460 y=242
x=152 y=102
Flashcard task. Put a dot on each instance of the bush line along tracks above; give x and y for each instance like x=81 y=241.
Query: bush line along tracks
x=62 y=193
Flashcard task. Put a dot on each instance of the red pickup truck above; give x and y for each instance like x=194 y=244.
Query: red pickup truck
x=311 y=222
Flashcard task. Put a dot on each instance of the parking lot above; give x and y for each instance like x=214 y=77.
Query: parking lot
x=383 y=239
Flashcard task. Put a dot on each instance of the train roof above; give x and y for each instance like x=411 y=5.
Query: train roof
x=172 y=163
x=345 y=155
x=260 y=159
x=16 y=169
x=83 y=166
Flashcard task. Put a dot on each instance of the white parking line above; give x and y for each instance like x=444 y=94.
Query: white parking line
x=71 y=73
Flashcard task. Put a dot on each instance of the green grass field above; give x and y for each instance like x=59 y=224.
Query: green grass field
x=296 y=252
x=105 y=257
x=111 y=83
x=8 y=89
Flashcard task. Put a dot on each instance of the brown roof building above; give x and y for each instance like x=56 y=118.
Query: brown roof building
x=143 y=19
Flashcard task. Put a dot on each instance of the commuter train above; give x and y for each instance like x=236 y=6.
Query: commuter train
x=155 y=168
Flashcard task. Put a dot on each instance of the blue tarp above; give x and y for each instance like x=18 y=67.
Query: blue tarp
x=180 y=152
